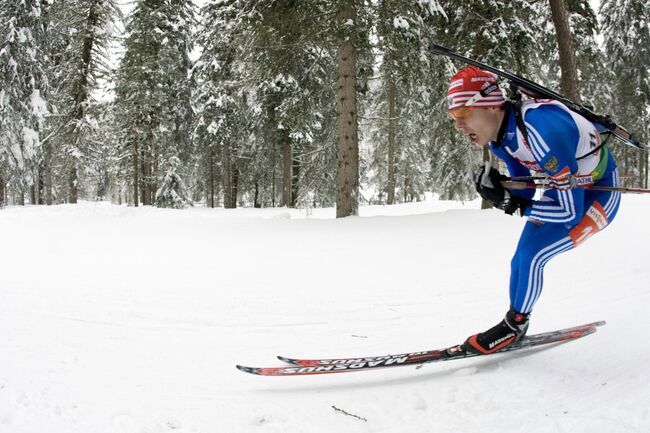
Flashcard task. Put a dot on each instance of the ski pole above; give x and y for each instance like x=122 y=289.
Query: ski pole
x=527 y=185
x=543 y=178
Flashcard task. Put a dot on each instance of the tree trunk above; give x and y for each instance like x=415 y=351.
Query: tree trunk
x=153 y=178
x=569 y=80
x=81 y=95
x=273 y=157
x=47 y=172
x=271 y=140
x=146 y=180
x=136 y=172
x=286 y=169
x=228 y=187
x=72 y=182
x=211 y=198
x=295 y=175
x=2 y=191
x=347 y=174
x=392 y=159
x=235 y=186
x=640 y=164
x=645 y=173
x=40 y=188
x=256 y=198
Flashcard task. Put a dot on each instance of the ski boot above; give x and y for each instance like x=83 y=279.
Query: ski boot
x=512 y=328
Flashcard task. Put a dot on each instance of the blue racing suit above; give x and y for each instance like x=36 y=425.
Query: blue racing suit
x=562 y=145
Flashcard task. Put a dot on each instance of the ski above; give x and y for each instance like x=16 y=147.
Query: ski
x=352 y=360
x=538 y=91
x=303 y=367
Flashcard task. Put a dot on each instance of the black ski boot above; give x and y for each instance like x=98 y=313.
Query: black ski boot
x=509 y=330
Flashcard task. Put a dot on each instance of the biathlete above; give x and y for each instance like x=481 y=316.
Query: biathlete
x=544 y=137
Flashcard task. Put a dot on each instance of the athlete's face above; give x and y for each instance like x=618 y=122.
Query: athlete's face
x=479 y=125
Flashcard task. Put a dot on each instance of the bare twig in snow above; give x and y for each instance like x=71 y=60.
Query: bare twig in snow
x=349 y=414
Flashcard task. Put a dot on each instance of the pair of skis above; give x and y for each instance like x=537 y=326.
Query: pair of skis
x=307 y=367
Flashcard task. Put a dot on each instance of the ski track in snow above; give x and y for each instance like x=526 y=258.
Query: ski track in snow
x=123 y=320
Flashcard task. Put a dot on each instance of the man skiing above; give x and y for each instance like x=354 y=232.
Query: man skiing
x=542 y=136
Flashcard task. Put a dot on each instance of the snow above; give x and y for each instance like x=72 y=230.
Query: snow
x=30 y=142
x=39 y=106
x=400 y=23
x=121 y=319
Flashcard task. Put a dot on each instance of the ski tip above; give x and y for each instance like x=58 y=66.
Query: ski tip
x=245 y=369
x=287 y=360
x=600 y=323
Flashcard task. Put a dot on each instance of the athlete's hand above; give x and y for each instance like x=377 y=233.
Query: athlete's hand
x=488 y=184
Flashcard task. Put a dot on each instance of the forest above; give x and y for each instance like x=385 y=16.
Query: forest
x=268 y=103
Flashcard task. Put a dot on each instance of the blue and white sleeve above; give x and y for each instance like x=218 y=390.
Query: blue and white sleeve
x=553 y=137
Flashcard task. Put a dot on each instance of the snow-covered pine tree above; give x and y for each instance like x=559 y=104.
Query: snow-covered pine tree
x=104 y=171
x=153 y=88
x=82 y=33
x=58 y=21
x=23 y=89
x=589 y=57
x=219 y=97
x=172 y=192
x=270 y=96
x=400 y=113
x=293 y=70
x=180 y=31
x=626 y=32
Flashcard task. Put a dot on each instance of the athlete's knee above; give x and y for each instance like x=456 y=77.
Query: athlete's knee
x=594 y=220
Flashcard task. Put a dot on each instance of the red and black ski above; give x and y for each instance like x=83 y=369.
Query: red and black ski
x=302 y=367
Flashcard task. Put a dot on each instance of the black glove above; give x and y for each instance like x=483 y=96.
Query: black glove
x=488 y=185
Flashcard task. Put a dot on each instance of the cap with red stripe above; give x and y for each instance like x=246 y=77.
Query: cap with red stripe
x=474 y=87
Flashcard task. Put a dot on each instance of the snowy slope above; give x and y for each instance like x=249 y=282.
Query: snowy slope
x=116 y=319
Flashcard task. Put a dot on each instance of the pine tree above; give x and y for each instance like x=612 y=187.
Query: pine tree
x=79 y=35
x=402 y=101
x=589 y=56
x=626 y=31
x=172 y=192
x=293 y=71
x=271 y=67
x=89 y=30
x=23 y=87
x=220 y=98
x=153 y=89
x=351 y=26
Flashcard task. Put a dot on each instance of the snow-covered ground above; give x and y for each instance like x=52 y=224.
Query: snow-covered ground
x=115 y=319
